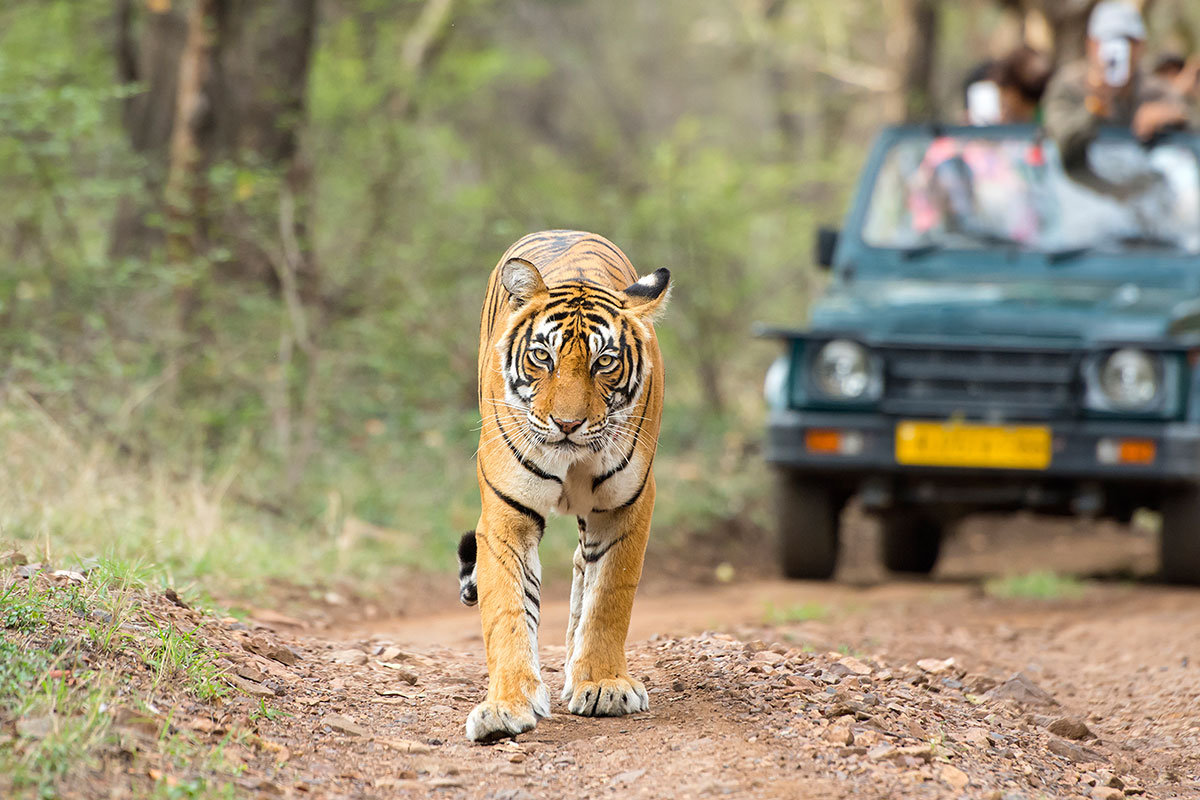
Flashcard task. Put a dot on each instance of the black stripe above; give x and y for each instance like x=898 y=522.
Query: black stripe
x=584 y=291
x=636 y=437
x=514 y=505
x=495 y=555
x=536 y=602
x=631 y=500
x=594 y=557
x=599 y=479
x=524 y=462
x=529 y=576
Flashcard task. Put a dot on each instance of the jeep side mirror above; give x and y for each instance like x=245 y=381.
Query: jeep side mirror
x=827 y=239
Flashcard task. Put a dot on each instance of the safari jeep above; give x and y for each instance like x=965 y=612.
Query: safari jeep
x=1000 y=332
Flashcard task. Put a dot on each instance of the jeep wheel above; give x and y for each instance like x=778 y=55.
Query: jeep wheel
x=910 y=542
x=807 y=518
x=1179 y=545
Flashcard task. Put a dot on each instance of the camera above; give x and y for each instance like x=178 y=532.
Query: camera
x=1116 y=56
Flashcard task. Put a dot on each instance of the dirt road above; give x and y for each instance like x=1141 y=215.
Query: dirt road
x=1081 y=683
x=932 y=689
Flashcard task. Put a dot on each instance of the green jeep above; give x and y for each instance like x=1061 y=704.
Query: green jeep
x=1000 y=332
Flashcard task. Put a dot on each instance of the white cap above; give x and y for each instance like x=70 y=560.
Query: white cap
x=1116 y=19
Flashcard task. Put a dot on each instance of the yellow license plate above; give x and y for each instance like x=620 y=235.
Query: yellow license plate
x=951 y=444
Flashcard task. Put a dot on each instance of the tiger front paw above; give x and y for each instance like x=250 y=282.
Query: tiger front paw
x=492 y=720
x=610 y=697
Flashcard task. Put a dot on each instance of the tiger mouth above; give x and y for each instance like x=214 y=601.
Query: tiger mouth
x=594 y=440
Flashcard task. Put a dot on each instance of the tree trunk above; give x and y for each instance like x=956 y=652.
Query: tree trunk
x=191 y=145
x=234 y=74
x=226 y=83
x=148 y=48
x=779 y=80
x=1059 y=26
x=1068 y=21
x=914 y=49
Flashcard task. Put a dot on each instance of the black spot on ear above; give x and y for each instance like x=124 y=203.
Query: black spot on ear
x=651 y=286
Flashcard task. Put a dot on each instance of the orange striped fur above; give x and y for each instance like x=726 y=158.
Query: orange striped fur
x=570 y=392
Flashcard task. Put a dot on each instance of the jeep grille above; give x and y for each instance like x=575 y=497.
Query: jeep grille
x=980 y=383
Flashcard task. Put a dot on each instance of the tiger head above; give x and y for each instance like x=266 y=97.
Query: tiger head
x=574 y=357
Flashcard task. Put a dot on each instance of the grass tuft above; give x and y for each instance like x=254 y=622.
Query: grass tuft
x=804 y=612
x=1037 y=585
x=71 y=667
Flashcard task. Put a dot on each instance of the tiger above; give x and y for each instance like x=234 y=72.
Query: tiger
x=570 y=393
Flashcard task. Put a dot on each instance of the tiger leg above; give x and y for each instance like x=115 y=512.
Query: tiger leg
x=577 y=571
x=598 y=679
x=508 y=574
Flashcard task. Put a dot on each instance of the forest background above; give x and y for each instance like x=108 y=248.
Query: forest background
x=245 y=242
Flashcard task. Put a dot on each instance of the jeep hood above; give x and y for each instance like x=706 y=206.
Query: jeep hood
x=898 y=309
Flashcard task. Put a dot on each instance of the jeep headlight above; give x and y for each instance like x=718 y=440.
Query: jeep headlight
x=1130 y=379
x=844 y=370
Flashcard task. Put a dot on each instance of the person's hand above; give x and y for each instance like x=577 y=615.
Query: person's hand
x=1157 y=116
x=1189 y=78
x=1100 y=95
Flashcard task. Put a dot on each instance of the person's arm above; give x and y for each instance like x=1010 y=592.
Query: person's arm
x=1161 y=108
x=1072 y=117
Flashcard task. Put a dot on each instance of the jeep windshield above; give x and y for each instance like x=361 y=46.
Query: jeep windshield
x=1007 y=189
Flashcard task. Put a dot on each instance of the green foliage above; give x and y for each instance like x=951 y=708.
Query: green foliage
x=20 y=668
x=222 y=451
x=175 y=655
x=1036 y=585
x=804 y=612
x=63 y=705
x=25 y=610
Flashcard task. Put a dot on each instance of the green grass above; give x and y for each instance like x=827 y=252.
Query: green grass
x=1037 y=585
x=60 y=724
x=65 y=656
x=804 y=612
x=174 y=655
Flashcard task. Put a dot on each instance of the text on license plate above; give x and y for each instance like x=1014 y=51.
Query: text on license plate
x=952 y=444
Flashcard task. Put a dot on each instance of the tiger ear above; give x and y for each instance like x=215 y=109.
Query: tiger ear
x=522 y=280
x=648 y=296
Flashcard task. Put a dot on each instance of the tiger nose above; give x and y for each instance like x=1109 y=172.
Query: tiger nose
x=567 y=425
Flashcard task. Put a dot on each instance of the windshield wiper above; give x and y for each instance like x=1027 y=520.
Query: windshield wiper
x=1068 y=253
x=983 y=237
x=1133 y=240
x=989 y=238
x=920 y=250
x=1147 y=240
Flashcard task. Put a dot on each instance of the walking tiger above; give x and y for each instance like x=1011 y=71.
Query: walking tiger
x=571 y=393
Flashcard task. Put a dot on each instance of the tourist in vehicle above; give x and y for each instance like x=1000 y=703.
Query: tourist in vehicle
x=981 y=95
x=1180 y=72
x=1109 y=87
x=1021 y=77
x=1001 y=92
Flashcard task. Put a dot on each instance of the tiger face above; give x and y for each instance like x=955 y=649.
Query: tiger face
x=574 y=358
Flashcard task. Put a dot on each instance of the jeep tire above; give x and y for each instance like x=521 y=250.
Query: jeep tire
x=1179 y=543
x=806 y=515
x=909 y=542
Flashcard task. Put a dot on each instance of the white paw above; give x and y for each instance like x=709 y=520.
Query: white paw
x=611 y=697
x=493 y=720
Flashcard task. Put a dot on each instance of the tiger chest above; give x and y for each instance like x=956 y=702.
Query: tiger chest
x=584 y=492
